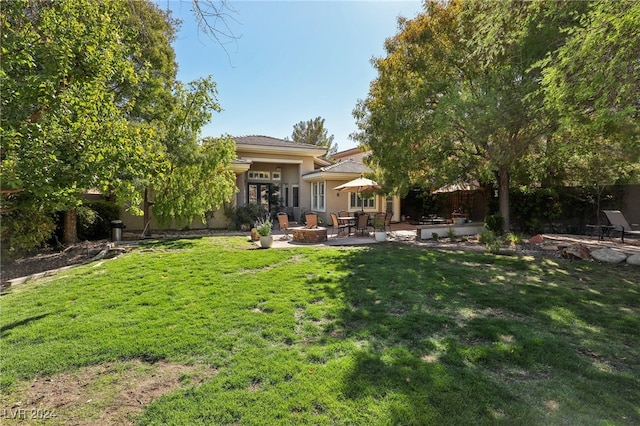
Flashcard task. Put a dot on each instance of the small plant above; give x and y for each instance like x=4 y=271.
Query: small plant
x=514 y=239
x=491 y=241
x=435 y=236
x=264 y=227
x=451 y=233
x=494 y=223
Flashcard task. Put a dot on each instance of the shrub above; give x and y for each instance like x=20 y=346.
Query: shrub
x=494 y=223
x=245 y=215
x=24 y=231
x=491 y=241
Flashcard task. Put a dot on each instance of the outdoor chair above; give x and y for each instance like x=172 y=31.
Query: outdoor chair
x=619 y=223
x=311 y=220
x=343 y=213
x=337 y=227
x=387 y=221
x=283 y=224
x=362 y=223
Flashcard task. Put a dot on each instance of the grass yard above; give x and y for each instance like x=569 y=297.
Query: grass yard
x=380 y=335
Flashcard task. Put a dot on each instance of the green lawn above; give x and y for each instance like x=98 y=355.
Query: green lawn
x=384 y=334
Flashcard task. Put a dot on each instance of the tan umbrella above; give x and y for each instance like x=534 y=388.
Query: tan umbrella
x=359 y=185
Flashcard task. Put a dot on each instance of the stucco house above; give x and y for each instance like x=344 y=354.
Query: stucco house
x=293 y=177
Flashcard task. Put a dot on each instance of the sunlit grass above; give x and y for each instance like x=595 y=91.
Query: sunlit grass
x=387 y=334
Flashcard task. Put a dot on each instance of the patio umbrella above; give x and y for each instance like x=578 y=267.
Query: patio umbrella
x=359 y=185
x=458 y=186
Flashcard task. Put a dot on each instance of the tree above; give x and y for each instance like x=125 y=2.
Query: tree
x=592 y=82
x=459 y=95
x=90 y=100
x=63 y=127
x=442 y=111
x=313 y=132
x=196 y=175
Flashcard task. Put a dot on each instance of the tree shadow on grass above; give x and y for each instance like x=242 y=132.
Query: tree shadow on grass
x=457 y=337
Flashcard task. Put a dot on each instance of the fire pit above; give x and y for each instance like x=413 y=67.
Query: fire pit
x=310 y=235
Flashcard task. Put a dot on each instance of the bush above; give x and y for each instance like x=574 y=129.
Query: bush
x=491 y=241
x=494 y=223
x=24 y=231
x=245 y=215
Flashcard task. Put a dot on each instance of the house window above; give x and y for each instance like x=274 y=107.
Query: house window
x=355 y=202
x=295 y=193
x=275 y=176
x=317 y=196
x=258 y=175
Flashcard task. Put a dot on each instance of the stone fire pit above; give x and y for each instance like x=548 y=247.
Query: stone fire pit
x=309 y=235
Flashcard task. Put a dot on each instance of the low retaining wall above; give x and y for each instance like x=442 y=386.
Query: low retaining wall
x=425 y=232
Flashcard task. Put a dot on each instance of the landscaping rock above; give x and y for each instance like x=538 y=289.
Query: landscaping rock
x=634 y=259
x=536 y=239
x=576 y=251
x=608 y=255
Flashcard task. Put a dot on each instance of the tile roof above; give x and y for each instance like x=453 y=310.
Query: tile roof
x=269 y=141
x=347 y=166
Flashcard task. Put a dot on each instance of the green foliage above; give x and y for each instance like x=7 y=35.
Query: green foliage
x=507 y=92
x=264 y=227
x=313 y=132
x=24 y=230
x=245 y=215
x=198 y=185
x=491 y=241
x=494 y=223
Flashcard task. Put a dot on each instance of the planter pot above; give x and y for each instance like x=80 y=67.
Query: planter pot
x=380 y=235
x=266 y=242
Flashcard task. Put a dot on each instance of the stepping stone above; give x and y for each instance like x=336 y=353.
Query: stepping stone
x=608 y=255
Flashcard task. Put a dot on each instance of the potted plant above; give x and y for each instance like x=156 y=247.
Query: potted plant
x=264 y=229
x=379 y=230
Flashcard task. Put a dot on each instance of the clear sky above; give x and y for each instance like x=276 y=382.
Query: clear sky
x=292 y=61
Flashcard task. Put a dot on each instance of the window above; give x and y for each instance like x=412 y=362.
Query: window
x=317 y=196
x=275 y=176
x=295 y=193
x=259 y=175
x=355 y=202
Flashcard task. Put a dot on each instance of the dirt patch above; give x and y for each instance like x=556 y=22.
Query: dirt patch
x=106 y=394
x=48 y=259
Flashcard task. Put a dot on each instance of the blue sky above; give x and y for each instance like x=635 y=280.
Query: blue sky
x=292 y=61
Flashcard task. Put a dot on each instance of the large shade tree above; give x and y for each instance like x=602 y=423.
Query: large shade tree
x=459 y=94
x=90 y=100
x=64 y=127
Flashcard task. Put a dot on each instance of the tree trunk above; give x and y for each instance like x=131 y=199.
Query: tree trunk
x=70 y=231
x=147 y=213
x=503 y=176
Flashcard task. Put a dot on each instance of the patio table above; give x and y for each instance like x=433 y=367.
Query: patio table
x=350 y=221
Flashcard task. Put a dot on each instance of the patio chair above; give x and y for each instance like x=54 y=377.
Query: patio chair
x=387 y=221
x=336 y=225
x=311 y=219
x=362 y=223
x=619 y=223
x=283 y=224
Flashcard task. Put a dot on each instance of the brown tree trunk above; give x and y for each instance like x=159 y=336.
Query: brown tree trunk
x=70 y=230
x=503 y=176
x=147 y=213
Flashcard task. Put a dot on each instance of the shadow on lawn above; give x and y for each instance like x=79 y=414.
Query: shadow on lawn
x=453 y=333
